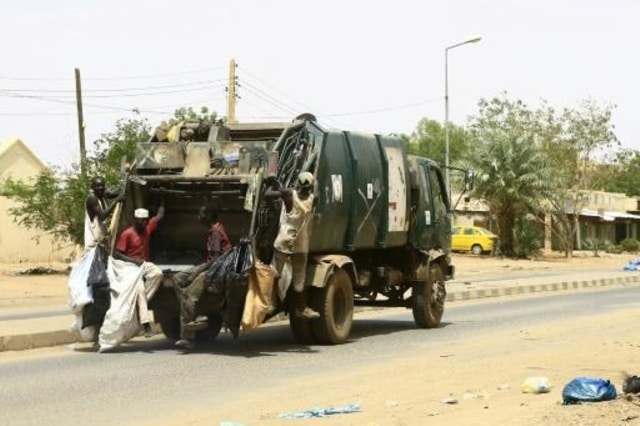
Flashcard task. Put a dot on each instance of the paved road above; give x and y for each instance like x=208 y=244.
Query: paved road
x=147 y=381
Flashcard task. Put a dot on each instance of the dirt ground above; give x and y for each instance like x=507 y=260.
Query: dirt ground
x=483 y=375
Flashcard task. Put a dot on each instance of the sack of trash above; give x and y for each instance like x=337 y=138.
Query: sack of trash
x=631 y=384
x=536 y=385
x=588 y=389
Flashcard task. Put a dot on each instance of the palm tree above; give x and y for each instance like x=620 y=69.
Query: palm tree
x=512 y=177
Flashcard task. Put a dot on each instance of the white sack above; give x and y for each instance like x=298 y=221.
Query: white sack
x=121 y=321
x=79 y=292
x=86 y=334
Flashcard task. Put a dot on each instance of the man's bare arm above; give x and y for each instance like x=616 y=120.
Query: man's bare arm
x=117 y=254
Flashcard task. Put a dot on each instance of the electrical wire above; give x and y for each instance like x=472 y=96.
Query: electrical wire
x=130 y=77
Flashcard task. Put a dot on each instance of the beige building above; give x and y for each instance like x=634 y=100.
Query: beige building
x=18 y=245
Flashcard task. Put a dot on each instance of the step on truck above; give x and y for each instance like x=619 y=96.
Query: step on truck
x=380 y=233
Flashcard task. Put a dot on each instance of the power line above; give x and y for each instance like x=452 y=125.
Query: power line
x=115 y=108
x=129 y=77
x=127 y=89
x=267 y=98
x=393 y=108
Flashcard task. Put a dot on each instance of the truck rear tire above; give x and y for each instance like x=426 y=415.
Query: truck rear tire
x=302 y=330
x=171 y=328
x=428 y=299
x=334 y=303
x=213 y=330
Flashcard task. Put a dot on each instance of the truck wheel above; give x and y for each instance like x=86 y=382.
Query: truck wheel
x=171 y=328
x=477 y=249
x=213 y=330
x=302 y=330
x=428 y=299
x=334 y=302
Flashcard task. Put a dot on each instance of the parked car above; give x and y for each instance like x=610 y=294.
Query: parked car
x=475 y=239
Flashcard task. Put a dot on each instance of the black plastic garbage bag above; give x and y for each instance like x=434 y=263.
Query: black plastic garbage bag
x=631 y=384
x=93 y=313
x=228 y=277
x=588 y=389
x=215 y=276
x=237 y=281
x=98 y=272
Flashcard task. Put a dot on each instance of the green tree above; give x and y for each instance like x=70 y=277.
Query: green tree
x=512 y=174
x=579 y=140
x=428 y=140
x=53 y=201
x=564 y=146
x=622 y=175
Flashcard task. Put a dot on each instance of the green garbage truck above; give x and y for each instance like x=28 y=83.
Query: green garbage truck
x=380 y=231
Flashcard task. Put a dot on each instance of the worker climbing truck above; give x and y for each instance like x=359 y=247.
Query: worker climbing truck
x=380 y=230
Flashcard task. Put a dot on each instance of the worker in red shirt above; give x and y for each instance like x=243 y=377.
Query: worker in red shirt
x=217 y=239
x=133 y=246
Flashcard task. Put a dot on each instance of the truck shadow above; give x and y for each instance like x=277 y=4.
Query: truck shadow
x=267 y=341
x=376 y=327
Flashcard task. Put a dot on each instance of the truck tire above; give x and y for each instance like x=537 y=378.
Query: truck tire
x=334 y=303
x=171 y=328
x=302 y=330
x=428 y=299
x=213 y=330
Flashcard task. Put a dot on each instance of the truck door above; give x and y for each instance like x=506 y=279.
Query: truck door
x=433 y=217
x=442 y=213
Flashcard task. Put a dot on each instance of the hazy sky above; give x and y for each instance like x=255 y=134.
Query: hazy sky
x=360 y=65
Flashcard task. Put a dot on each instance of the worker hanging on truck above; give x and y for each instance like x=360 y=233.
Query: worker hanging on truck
x=291 y=246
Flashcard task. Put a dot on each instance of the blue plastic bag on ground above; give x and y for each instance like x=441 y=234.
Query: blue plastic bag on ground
x=588 y=389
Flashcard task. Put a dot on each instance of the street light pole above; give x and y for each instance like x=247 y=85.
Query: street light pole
x=446 y=107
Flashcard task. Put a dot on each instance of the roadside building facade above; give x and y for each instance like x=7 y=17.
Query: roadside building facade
x=18 y=245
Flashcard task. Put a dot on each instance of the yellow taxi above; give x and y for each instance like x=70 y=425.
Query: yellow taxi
x=475 y=239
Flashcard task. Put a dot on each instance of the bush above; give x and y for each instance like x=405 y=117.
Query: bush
x=630 y=244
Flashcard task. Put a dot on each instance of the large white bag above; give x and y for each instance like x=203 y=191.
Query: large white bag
x=121 y=321
x=79 y=292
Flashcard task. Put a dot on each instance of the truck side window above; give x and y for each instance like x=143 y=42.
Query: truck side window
x=439 y=202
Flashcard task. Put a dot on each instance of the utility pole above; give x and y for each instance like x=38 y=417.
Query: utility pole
x=231 y=93
x=83 y=151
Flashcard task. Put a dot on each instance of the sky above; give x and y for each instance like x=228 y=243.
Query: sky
x=367 y=66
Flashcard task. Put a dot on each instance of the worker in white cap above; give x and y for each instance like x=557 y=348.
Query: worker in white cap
x=133 y=246
x=291 y=246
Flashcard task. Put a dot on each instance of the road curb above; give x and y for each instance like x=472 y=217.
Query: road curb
x=540 y=288
x=43 y=339
x=65 y=337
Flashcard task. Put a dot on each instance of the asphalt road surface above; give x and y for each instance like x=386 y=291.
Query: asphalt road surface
x=147 y=381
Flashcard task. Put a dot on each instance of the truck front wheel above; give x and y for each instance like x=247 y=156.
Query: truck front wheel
x=334 y=302
x=428 y=299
